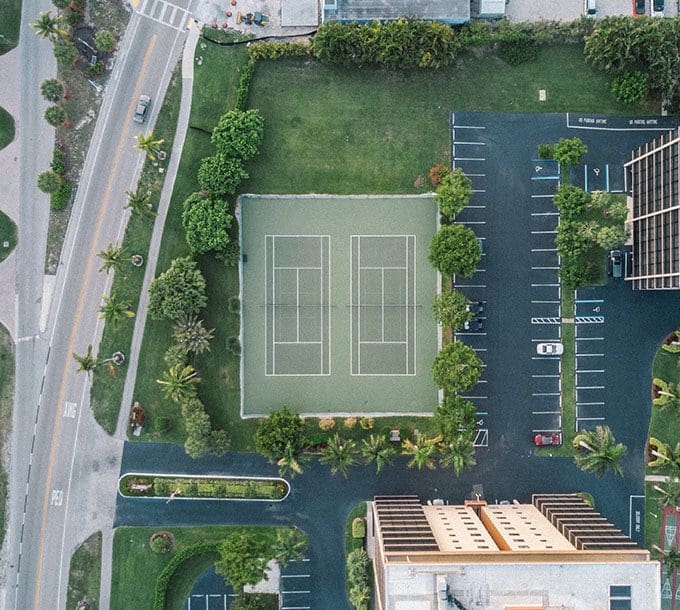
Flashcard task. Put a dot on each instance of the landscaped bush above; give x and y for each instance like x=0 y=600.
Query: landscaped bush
x=178 y=291
x=234 y=345
x=206 y=222
x=456 y=368
x=358 y=578
x=437 y=173
x=546 y=151
x=162 y=424
x=326 y=424
x=234 y=305
x=401 y=43
x=58 y=165
x=221 y=175
x=256 y=601
x=244 y=85
x=484 y=33
x=49 y=182
x=161 y=542
x=201 y=487
x=630 y=87
x=276 y=50
x=519 y=50
x=453 y=193
x=238 y=134
x=359 y=528
x=60 y=199
x=455 y=249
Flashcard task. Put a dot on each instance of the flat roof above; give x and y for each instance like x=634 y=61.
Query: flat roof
x=522 y=527
x=448 y=11
x=458 y=528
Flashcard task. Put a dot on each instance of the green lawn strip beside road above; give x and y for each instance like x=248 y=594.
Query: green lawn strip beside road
x=568 y=381
x=10 y=22
x=335 y=129
x=6 y=128
x=652 y=516
x=8 y=234
x=218 y=368
x=85 y=573
x=107 y=391
x=6 y=401
x=664 y=424
x=136 y=567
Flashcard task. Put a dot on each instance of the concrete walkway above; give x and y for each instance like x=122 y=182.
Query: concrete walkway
x=9 y=180
x=164 y=204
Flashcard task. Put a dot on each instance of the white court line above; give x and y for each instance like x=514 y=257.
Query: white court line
x=273 y=310
x=383 y=342
x=298 y=342
x=383 y=268
x=545 y=213
x=470 y=143
x=297 y=268
x=297 y=304
x=382 y=305
x=544 y=249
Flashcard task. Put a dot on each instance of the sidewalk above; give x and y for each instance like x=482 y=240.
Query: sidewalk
x=9 y=181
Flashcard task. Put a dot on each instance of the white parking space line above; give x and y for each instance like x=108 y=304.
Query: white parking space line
x=545 y=357
x=468 y=127
x=542 y=196
x=544 y=302
x=472 y=222
x=545 y=412
x=545 y=213
x=590 y=355
x=589 y=404
x=544 y=232
x=464 y=334
x=545 y=268
x=544 y=249
x=544 y=285
x=590 y=371
x=475 y=176
x=475 y=207
x=474 y=397
x=549 y=430
x=546 y=376
x=470 y=285
x=295 y=575
x=590 y=338
x=479 y=349
x=545 y=394
x=477 y=191
x=590 y=387
x=470 y=143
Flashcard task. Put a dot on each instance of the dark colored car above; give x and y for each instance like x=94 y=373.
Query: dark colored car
x=477 y=307
x=657 y=8
x=638 y=7
x=545 y=440
x=474 y=325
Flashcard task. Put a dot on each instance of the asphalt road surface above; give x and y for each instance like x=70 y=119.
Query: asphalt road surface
x=59 y=454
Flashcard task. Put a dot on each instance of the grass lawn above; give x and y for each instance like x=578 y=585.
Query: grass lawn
x=664 y=424
x=6 y=127
x=107 y=391
x=6 y=401
x=331 y=129
x=85 y=574
x=353 y=543
x=10 y=21
x=652 y=516
x=136 y=567
x=8 y=233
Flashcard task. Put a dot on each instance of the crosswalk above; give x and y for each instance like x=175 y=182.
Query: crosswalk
x=164 y=12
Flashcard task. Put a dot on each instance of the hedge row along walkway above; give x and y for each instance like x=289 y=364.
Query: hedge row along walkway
x=203 y=487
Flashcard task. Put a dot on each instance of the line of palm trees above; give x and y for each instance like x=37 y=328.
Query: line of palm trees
x=598 y=451
x=342 y=454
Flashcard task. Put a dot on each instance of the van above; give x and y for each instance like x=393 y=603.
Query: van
x=615 y=264
x=589 y=8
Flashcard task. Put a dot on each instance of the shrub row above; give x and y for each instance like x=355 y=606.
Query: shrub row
x=359 y=579
x=163 y=580
x=219 y=488
x=244 y=82
x=277 y=50
x=60 y=198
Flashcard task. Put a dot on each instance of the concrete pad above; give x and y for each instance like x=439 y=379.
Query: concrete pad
x=48 y=292
x=7 y=295
x=271 y=584
x=299 y=13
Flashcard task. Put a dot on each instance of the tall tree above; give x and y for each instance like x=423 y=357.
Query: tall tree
x=178 y=291
x=47 y=26
x=65 y=52
x=87 y=362
x=290 y=545
x=179 y=382
x=668 y=495
x=280 y=433
x=600 y=451
x=376 y=448
x=455 y=250
x=291 y=462
x=206 y=222
x=570 y=151
x=454 y=417
x=114 y=310
x=139 y=203
x=55 y=116
x=113 y=257
x=451 y=308
x=52 y=90
x=458 y=454
x=340 y=454
x=421 y=450
x=243 y=560
x=148 y=144
x=190 y=333
x=453 y=193
x=456 y=368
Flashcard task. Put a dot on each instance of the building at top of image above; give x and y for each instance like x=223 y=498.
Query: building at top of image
x=446 y=11
x=654 y=214
x=555 y=553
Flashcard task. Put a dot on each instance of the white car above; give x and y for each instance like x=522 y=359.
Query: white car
x=550 y=349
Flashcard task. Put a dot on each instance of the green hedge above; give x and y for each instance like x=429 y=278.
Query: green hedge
x=199 y=487
x=163 y=580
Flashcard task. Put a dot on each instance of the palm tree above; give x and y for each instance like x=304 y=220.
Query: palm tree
x=192 y=335
x=87 y=362
x=140 y=203
x=669 y=495
x=377 y=449
x=669 y=394
x=670 y=457
x=290 y=462
x=147 y=144
x=179 y=382
x=113 y=257
x=601 y=451
x=113 y=310
x=458 y=454
x=290 y=545
x=422 y=451
x=50 y=27
x=669 y=557
x=339 y=454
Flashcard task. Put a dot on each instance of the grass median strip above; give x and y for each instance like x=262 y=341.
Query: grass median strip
x=84 y=577
x=107 y=390
x=6 y=400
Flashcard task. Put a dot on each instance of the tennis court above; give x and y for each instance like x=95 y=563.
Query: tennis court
x=336 y=304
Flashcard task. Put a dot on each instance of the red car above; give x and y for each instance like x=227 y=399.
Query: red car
x=543 y=440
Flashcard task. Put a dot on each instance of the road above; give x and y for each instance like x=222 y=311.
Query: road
x=62 y=463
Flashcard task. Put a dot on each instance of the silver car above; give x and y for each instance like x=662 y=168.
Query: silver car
x=142 y=108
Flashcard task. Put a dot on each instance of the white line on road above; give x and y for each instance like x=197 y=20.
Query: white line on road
x=544 y=249
x=545 y=376
x=471 y=143
x=545 y=394
x=590 y=355
x=590 y=371
x=589 y=404
x=590 y=387
x=545 y=268
x=544 y=285
x=544 y=302
x=591 y=418
x=545 y=213
x=544 y=232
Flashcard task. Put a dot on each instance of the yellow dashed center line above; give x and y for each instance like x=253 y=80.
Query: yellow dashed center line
x=76 y=319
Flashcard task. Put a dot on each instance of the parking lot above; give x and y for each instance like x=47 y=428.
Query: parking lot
x=512 y=211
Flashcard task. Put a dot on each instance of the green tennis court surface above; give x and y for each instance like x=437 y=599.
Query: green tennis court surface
x=337 y=304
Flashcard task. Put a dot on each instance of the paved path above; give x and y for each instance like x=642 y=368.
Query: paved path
x=9 y=179
x=159 y=225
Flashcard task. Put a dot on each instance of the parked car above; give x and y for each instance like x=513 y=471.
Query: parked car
x=477 y=307
x=480 y=240
x=657 y=8
x=589 y=8
x=549 y=349
x=546 y=440
x=638 y=8
x=474 y=325
x=615 y=264
x=142 y=108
